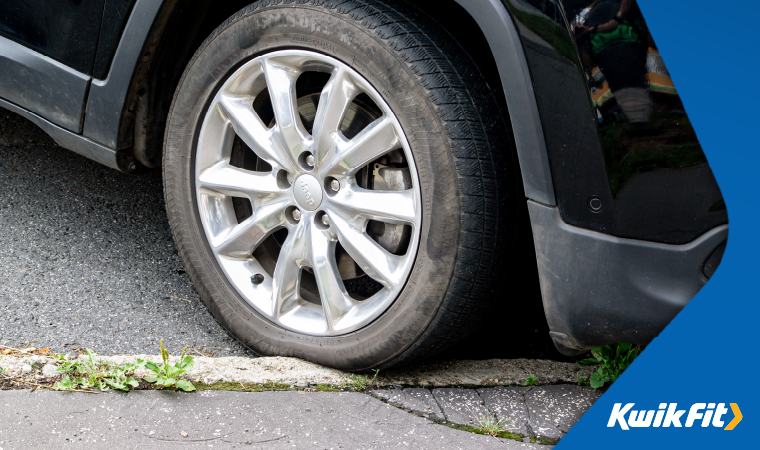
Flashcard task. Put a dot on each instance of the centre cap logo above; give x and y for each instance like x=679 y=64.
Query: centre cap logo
x=308 y=192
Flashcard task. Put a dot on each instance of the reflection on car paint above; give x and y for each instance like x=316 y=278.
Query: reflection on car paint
x=642 y=130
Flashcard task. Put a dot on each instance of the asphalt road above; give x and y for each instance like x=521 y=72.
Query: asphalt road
x=87 y=260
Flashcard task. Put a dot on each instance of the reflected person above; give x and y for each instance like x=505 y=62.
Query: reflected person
x=611 y=36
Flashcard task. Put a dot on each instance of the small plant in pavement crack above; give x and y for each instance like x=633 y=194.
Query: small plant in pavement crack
x=531 y=380
x=613 y=360
x=492 y=426
x=89 y=372
x=360 y=382
x=167 y=376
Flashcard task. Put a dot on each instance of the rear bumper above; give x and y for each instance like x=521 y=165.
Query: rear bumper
x=598 y=289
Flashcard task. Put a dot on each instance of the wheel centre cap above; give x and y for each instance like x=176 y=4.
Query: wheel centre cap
x=307 y=192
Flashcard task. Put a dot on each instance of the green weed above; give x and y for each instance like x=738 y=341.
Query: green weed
x=167 y=376
x=492 y=426
x=359 y=382
x=581 y=381
x=87 y=373
x=531 y=380
x=613 y=360
x=501 y=434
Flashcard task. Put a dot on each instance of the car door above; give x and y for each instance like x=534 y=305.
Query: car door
x=47 y=49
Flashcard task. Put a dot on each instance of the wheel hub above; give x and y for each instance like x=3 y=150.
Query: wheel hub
x=307 y=192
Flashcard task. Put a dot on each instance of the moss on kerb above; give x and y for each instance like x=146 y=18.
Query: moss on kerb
x=503 y=434
x=265 y=387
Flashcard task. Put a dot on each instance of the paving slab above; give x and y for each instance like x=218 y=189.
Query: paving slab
x=462 y=406
x=554 y=409
x=223 y=419
x=508 y=404
x=416 y=400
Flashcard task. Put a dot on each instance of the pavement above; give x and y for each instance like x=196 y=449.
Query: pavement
x=222 y=419
x=539 y=411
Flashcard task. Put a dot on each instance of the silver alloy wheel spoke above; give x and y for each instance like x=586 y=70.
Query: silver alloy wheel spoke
x=317 y=211
x=386 y=206
x=228 y=180
x=374 y=260
x=333 y=102
x=252 y=130
x=281 y=82
x=335 y=300
x=372 y=142
x=244 y=238
x=285 y=281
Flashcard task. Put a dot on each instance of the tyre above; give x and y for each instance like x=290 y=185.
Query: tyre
x=340 y=182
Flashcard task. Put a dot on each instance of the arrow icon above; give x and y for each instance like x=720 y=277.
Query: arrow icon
x=737 y=417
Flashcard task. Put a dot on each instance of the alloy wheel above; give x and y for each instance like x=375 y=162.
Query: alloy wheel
x=309 y=199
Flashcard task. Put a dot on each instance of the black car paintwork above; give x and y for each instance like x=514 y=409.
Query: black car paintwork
x=65 y=30
x=645 y=178
x=115 y=15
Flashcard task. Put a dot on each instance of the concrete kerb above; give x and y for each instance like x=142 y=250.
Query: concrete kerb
x=299 y=373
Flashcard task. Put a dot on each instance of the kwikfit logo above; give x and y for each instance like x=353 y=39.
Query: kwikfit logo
x=706 y=414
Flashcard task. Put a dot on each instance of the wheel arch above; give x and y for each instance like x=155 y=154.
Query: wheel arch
x=127 y=111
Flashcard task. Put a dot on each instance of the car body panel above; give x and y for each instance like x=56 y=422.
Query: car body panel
x=64 y=30
x=67 y=139
x=42 y=85
x=599 y=289
x=647 y=172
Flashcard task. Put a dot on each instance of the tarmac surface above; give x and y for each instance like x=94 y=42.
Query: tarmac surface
x=87 y=258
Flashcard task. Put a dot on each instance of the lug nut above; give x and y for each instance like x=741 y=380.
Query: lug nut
x=310 y=160
x=326 y=220
x=335 y=185
x=296 y=215
x=257 y=279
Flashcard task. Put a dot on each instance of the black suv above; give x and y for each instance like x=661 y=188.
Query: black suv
x=344 y=178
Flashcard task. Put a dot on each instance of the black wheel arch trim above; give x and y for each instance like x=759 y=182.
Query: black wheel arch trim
x=105 y=104
x=599 y=288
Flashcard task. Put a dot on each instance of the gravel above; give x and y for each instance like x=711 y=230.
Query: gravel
x=87 y=258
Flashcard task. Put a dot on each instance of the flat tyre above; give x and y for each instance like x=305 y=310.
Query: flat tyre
x=340 y=182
